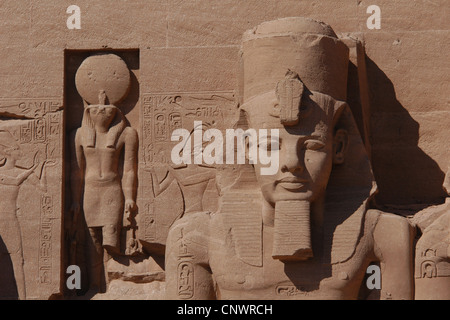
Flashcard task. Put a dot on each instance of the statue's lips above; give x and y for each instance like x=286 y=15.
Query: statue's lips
x=293 y=184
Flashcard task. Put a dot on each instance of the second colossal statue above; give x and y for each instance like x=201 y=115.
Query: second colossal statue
x=432 y=265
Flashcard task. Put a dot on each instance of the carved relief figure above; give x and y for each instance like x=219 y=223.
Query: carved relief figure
x=433 y=251
x=192 y=179
x=12 y=177
x=177 y=189
x=307 y=231
x=103 y=138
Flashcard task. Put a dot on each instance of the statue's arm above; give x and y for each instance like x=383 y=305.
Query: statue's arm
x=187 y=246
x=393 y=239
x=28 y=172
x=77 y=171
x=39 y=178
x=160 y=187
x=130 y=168
x=24 y=176
x=15 y=181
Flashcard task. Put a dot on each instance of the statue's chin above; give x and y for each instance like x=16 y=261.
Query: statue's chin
x=279 y=194
x=303 y=196
x=104 y=122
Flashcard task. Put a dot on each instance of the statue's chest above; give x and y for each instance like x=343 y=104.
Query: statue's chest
x=274 y=279
x=100 y=152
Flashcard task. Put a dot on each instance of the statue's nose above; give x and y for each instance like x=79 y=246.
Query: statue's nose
x=291 y=160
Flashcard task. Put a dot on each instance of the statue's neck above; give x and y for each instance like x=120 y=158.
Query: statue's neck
x=101 y=128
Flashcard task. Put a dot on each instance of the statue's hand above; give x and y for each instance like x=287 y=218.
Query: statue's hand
x=50 y=163
x=36 y=161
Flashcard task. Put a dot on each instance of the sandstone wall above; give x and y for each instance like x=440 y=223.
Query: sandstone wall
x=193 y=46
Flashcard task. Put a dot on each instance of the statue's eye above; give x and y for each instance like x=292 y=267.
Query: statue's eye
x=314 y=145
x=269 y=145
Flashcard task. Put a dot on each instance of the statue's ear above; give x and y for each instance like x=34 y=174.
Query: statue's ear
x=340 y=146
x=340 y=139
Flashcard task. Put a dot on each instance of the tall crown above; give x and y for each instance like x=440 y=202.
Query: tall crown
x=304 y=46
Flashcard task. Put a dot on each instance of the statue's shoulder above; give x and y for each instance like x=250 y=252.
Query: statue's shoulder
x=391 y=232
x=129 y=135
x=438 y=230
x=76 y=136
x=382 y=220
x=193 y=220
x=130 y=132
x=76 y=133
x=388 y=217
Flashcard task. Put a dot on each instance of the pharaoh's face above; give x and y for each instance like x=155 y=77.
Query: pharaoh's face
x=102 y=115
x=305 y=162
x=306 y=153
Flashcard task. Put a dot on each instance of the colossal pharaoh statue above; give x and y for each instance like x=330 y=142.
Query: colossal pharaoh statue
x=305 y=232
x=102 y=140
x=433 y=251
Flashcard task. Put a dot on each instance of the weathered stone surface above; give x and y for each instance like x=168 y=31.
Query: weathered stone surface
x=185 y=61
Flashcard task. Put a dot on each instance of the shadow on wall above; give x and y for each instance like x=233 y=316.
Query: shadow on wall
x=405 y=174
x=8 y=288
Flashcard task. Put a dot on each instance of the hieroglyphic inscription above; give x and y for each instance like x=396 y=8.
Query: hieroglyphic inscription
x=26 y=132
x=433 y=264
x=290 y=291
x=45 y=240
x=54 y=122
x=185 y=280
x=44 y=130
x=149 y=220
x=158 y=110
x=428 y=269
x=39 y=129
x=164 y=113
x=185 y=270
x=40 y=132
x=32 y=108
x=161 y=115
